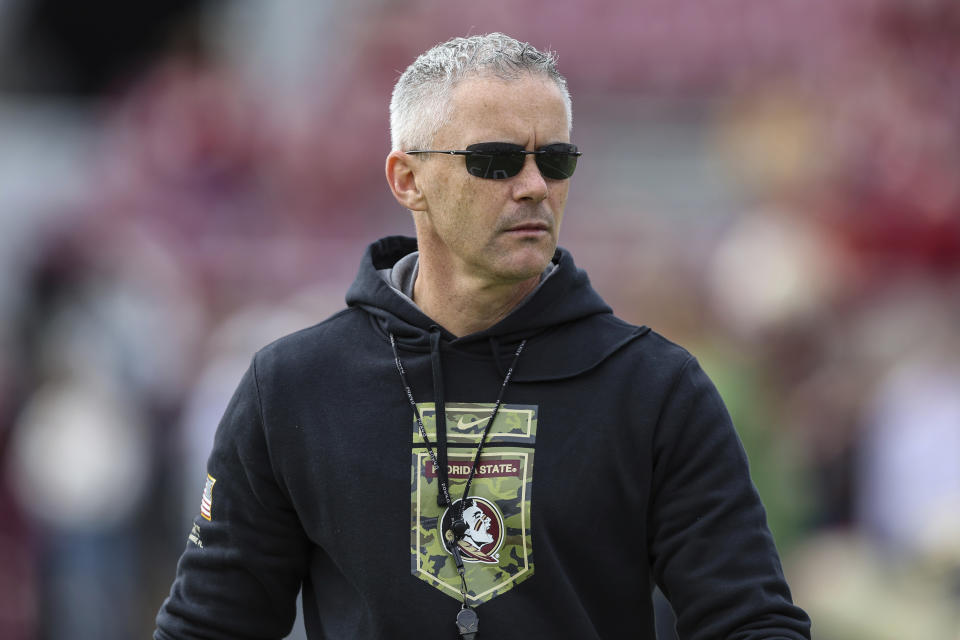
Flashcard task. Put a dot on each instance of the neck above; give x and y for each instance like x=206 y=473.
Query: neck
x=463 y=305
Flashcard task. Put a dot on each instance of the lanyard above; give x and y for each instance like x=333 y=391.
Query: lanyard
x=467 y=619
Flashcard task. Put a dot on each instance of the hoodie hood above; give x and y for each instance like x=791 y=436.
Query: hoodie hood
x=569 y=327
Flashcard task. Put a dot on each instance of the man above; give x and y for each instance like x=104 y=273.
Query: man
x=359 y=455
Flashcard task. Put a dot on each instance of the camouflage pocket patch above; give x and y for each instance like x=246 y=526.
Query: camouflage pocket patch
x=497 y=548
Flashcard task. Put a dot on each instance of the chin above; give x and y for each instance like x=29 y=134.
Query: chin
x=526 y=267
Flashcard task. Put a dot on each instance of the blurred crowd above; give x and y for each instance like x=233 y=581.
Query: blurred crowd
x=771 y=183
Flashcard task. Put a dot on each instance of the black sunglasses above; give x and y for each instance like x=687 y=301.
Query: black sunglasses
x=502 y=160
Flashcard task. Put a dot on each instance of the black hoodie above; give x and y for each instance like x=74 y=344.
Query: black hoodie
x=319 y=478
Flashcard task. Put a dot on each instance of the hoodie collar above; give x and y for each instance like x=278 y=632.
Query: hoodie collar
x=564 y=308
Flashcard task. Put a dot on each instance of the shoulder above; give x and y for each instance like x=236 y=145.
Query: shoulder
x=655 y=346
x=317 y=343
x=625 y=350
x=648 y=345
x=652 y=357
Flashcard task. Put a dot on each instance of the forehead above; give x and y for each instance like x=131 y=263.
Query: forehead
x=526 y=110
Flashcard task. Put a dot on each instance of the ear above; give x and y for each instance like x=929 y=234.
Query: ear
x=402 y=178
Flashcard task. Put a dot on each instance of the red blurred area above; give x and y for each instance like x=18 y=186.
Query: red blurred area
x=772 y=183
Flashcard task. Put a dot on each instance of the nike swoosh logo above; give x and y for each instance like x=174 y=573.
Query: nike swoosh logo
x=466 y=425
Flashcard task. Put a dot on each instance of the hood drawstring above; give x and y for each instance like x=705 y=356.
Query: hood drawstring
x=440 y=411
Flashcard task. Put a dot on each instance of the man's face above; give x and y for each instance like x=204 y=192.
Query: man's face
x=501 y=231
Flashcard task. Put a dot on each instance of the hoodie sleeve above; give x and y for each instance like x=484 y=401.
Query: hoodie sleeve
x=711 y=550
x=241 y=571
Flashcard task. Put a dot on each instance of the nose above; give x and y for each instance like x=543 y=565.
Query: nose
x=529 y=184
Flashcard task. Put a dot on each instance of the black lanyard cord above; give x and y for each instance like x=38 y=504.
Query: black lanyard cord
x=416 y=412
x=467 y=620
x=486 y=429
x=444 y=489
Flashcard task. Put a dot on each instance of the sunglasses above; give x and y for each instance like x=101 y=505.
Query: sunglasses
x=502 y=160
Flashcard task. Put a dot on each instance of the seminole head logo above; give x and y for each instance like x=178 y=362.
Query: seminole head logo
x=484 y=532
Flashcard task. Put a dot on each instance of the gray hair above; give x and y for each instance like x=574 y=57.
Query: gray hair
x=421 y=98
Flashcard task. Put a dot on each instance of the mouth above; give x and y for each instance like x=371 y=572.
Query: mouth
x=532 y=227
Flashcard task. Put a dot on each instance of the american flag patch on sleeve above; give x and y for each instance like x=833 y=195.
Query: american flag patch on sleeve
x=206 y=503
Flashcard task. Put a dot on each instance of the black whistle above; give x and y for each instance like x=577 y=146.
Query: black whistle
x=455 y=550
x=468 y=623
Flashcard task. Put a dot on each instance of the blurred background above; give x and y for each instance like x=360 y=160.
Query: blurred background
x=774 y=184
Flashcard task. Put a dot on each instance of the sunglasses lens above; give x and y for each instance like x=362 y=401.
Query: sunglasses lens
x=494 y=160
x=502 y=160
x=558 y=161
